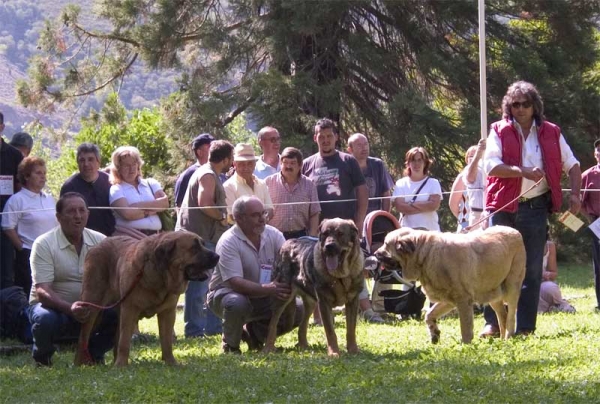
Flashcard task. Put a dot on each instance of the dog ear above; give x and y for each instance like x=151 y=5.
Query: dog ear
x=163 y=253
x=405 y=245
x=354 y=231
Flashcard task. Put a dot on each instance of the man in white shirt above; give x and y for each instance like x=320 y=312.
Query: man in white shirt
x=523 y=150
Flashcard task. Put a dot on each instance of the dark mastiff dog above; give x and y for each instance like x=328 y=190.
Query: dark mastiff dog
x=328 y=271
x=154 y=271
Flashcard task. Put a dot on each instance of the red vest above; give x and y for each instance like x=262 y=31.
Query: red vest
x=500 y=191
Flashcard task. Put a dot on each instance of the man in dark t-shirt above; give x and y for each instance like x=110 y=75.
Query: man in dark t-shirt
x=337 y=176
x=378 y=179
x=10 y=158
x=94 y=185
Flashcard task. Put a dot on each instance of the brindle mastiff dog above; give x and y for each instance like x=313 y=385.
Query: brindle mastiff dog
x=457 y=270
x=328 y=271
x=165 y=262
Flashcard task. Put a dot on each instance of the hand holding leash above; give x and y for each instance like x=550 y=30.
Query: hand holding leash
x=80 y=311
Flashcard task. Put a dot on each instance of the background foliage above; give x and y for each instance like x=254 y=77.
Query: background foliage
x=403 y=72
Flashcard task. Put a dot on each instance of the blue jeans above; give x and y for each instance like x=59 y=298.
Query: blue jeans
x=531 y=220
x=199 y=319
x=49 y=326
x=596 y=263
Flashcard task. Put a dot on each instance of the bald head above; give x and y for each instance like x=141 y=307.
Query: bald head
x=358 y=146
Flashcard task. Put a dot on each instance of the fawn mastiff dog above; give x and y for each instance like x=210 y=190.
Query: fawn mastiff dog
x=154 y=271
x=457 y=270
x=328 y=272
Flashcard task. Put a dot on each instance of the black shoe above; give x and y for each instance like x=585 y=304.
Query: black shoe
x=229 y=349
x=254 y=344
x=43 y=361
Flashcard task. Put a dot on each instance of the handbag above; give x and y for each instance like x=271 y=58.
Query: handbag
x=167 y=221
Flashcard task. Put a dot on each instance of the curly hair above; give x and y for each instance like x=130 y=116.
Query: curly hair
x=527 y=90
x=26 y=167
x=117 y=156
x=410 y=155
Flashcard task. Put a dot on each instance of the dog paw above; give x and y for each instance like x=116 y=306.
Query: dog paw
x=353 y=350
x=332 y=353
x=435 y=337
x=268 y=349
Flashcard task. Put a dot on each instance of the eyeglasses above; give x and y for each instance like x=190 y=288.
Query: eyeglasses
x=274 y=140
x=258 y=215
x=524 y=104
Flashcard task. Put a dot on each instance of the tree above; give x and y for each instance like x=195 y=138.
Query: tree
x=405 y=72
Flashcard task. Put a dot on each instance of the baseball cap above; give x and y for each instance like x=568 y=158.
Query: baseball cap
x=201 y=140
x=22 y=139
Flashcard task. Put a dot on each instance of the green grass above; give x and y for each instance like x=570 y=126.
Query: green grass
x=396 y=364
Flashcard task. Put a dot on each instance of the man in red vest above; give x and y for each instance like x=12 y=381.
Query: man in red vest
x=522 y=149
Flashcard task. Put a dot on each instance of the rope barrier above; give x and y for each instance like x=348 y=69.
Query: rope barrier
x=279 y=204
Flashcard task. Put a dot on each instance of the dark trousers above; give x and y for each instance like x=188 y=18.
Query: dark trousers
x=294 y=234
x=596 y=263
x=23 y=270
x=531 y=220
x=50 y=326
x=7 y=262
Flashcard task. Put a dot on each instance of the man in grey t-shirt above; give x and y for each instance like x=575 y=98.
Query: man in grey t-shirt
x=241 y=288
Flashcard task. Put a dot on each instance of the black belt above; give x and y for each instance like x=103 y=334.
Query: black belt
x=294 y=234
x=529 y=200
x=477 y=209
x=149 y=232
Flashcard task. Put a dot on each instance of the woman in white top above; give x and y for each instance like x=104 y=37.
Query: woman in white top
x=130 y=190
x=418 y=196
x=34 y=214
x=551 y=299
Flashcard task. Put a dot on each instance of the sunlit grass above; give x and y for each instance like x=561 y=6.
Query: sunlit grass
x=396 y=364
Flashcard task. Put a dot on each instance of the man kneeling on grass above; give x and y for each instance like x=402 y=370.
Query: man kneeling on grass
x=57 y=259
x=241 y=288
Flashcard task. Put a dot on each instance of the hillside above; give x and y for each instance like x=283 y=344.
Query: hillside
x=20 y=24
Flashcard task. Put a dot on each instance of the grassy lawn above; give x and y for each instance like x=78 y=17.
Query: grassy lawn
x=397 y=364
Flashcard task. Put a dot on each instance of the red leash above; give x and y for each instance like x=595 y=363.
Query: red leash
x=137 y=280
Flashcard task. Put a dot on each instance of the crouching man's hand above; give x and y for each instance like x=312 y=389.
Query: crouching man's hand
x=279 y=290
x=80 y=311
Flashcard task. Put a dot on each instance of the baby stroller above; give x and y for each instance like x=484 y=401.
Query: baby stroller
x=407 y=302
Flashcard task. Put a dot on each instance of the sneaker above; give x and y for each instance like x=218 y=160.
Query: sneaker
x=490 y=331
x=229 y=349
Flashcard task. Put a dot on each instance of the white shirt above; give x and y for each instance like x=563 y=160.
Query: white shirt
x=236 y=187
x=475 y=188
x=532 y=157
x=407 y=189
x=37 y=215
x=144 y=192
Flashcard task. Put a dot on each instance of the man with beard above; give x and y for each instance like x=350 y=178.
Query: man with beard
x=241 y=288
x=294 y=196
x=205 y=191
x=338 y=177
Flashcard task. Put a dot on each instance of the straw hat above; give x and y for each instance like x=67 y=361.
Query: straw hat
x=244 y=152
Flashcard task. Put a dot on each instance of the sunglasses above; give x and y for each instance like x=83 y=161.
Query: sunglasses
x=524 y=104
